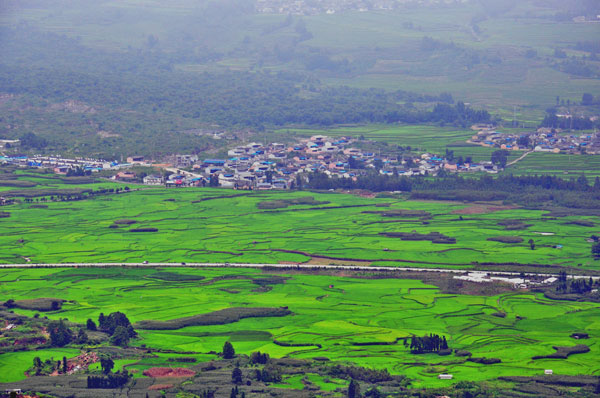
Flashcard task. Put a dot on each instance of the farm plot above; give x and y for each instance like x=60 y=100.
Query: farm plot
x=560 y=165
x=185 y=226
x=346 y=319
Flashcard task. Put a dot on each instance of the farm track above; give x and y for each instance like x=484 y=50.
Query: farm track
x=286 y=266
x=519 y=158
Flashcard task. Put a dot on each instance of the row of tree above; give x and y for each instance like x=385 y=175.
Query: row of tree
x=568 y=123
x=378 y=182
x=113 y=380
x=575 y=286
x=425 y=344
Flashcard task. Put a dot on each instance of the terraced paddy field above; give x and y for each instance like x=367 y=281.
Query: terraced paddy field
x=560 y=165
x=32 y=183
x=213 y=225
x=337 y=317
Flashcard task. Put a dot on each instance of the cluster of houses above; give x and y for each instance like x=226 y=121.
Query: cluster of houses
x=542 y=140
x=263 y=166
x=308 y=7
x=517 y=282
x=8 y=144
x=280 y=166
x=59 y=164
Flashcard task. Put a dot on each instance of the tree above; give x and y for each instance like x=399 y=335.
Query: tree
x=271 y=374
x=90 y=325
x=64 y=365
x=110 y=323
x=60 y=334
x=596 y=250
x=82 y=337
x=214 y=180
x=236 y=376
x=106 y=363
x=587 y=99
x=378 y=163
x=500 y=157
x=228 y=350
x=30 y=140
x=523 y=141
x=37 y=362
x=373 y=392
x=258 y=357
x=531 y=244
x=120 y=337
x=353 y=389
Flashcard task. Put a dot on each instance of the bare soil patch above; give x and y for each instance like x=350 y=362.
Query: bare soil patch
x=169 y=372
x=160 y=387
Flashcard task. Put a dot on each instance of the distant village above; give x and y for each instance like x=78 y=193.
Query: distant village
x=285 y=166
x=259 y=166
x=542 y=140
x=308 y=7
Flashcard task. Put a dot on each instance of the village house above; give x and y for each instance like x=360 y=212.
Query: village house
x=61 y=170
x=153 y=180
x=135 y=159
x=7 y=144
x=125 y=176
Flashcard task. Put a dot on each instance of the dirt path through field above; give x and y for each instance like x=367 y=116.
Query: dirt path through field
x=518 y=159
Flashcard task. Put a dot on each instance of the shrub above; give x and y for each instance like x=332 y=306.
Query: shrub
x=564 y=352
x=400 y=213
x=258 y=358
x=485 y=361
x=506 y=239
x=434 y=237
x=282 y=204
x=124 y=221
x=175 y=277
x=40 y=304
x=221 y=317
x=462 y=353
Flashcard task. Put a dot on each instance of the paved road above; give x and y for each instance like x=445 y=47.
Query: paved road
x=287 y=266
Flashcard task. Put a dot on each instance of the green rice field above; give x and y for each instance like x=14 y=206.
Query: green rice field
x=213 y=225
x=560 y=165
x=333 y=313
